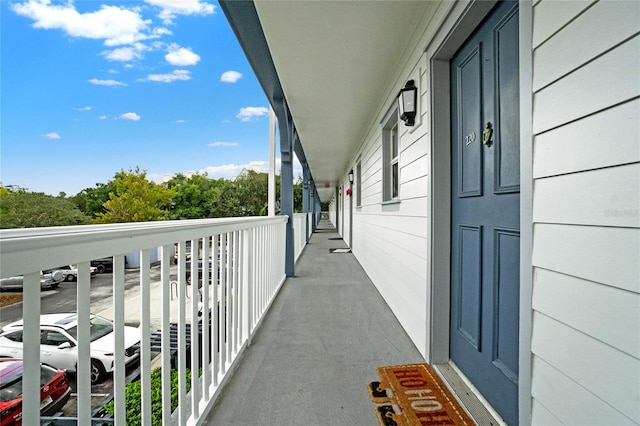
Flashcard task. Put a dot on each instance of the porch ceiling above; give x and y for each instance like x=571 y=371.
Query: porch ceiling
x=335 y=61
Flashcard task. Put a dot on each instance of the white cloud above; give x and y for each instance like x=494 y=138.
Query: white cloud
x=52 y=135
x=247 y=113
x=227 y=171
x=126 y=54
x=102 y=117
x=230 y=76
x=130 y=116
x=172 y=8
x=219 y=143
x=181 y=56
x=116 y=25
x=87 y=108
x=179 y=121
x=169 y=78
x=106 y=82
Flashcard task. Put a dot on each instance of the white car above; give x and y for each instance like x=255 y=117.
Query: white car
x=48 y=280
x=58 y=343
x=70 y=272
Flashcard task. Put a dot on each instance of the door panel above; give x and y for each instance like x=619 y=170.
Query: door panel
x=470 y=110
x=469 y=306
x=485 y=236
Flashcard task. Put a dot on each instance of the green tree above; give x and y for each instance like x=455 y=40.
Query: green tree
x=91 y=200
x=22 y=209
x=136 y=199
x=194 y=195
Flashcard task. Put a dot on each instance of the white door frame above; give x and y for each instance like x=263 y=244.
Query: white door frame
x=460 y=22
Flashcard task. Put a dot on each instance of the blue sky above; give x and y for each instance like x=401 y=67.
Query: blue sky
x=92 y=87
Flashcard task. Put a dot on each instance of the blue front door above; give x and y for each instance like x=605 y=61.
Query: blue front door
x=485 y=231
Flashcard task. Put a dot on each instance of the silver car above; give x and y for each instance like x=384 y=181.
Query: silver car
x=47 y=281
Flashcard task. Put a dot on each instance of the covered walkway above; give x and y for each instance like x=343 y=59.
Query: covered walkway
x=318 y=348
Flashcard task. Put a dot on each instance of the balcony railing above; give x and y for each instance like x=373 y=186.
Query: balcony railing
x=244 y=271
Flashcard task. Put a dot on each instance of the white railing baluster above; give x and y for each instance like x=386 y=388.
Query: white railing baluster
x=205 y=317
x=215 y=309
x=83 y=380
x=223 y=304
x=31 y=347
x=165 y=343
x=235 y=265
x=249 y=249
x=182 y=338
x=145 y=335
x=228 y=303
x=194 y=346
x=241 y=290
x=118 y=328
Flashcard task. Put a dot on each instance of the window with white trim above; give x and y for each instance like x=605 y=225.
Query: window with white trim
x=390 y=157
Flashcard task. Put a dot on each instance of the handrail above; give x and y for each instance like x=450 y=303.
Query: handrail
x=247 y=270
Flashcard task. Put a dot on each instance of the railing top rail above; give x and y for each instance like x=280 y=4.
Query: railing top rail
x=42 y=248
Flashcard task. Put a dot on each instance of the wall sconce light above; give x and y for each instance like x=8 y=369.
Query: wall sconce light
x=351 y=176
x=407 y=103
x=340 y=191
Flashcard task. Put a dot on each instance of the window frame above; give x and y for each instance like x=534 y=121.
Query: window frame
x=359 y=183
x=391 y=156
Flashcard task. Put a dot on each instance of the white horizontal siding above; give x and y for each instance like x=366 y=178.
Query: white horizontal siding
x=408 y=224
x=586 y=202
x=577 y=406
x=606 y=81
x=551 y=16
x=606 y=372
x=588 y=36
x=591 y=308
x=607 y=197
x=415 y=188
x=600 y=140
x=600 y=254
x=416 y=169
x=541 y=416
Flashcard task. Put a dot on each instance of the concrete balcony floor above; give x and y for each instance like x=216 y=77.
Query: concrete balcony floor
x=318 y=347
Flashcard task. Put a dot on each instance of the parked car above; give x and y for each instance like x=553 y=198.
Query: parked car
x=54 y=391
x=70 y=272
x=105 y=264
x=48 y=280
x=58 y=343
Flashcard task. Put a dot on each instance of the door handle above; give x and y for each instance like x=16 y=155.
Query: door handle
x=487 y=134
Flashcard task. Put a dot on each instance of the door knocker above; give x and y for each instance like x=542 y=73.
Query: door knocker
x=487 y=134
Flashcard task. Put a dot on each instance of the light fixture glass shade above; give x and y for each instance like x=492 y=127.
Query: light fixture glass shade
x=351 y=176
x=407 y=103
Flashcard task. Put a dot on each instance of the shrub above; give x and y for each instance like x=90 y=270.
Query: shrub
x=133 y=398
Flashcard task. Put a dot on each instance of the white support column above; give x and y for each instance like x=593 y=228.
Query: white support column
x=272 y=163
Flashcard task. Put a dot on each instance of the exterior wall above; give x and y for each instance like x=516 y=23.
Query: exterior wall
x=390 y=240
x=586 y=242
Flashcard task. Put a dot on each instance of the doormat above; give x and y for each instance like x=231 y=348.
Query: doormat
x=340 y=250
x=335 y=238
x=413 y=394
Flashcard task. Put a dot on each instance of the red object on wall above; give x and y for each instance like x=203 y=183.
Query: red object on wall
x=349 y=192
